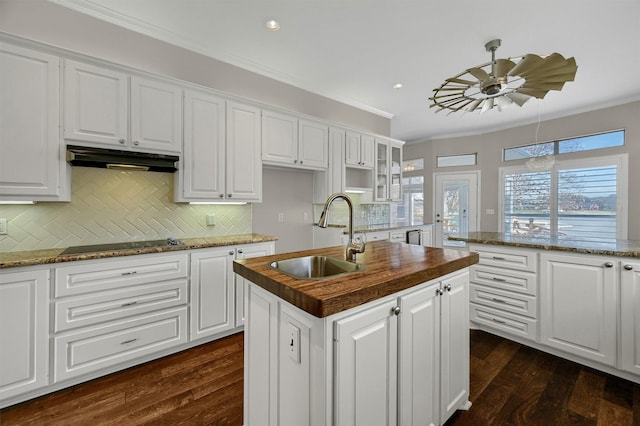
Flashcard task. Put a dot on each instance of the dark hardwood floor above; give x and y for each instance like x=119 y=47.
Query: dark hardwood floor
x=511 y=384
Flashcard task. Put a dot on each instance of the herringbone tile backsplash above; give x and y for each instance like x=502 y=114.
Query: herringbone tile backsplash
x=109 y=206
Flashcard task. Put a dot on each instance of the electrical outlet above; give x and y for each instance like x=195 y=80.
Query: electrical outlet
x=211 y=220
x=293 y=342
x=305 y=217
x=4 y=227
x=281 y=217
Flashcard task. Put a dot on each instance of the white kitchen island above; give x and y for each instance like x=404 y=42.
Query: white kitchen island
x=384 y=346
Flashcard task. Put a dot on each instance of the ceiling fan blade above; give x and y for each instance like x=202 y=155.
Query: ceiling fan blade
x=503 y=66
x=448 y=95
x=536 y=93
x=474 y=105
x=556 y=78
x=461 y=106
x=449 y=88
x=518 y=98
x=461 y=81
x=542 y=85
x=479 y=73
x=553 y=64
x=487 y=105
x=528 y=62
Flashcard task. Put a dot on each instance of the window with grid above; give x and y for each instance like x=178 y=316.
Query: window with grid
x=577 y=199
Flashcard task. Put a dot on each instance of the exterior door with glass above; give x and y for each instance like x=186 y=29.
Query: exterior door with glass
x=456 y=206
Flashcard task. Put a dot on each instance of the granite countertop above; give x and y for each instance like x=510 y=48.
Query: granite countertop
x=45 y=256
x=390 y=267
x=606 y=247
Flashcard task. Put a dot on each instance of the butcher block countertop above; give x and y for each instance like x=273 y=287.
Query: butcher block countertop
x=390 y=268
x=55 y=255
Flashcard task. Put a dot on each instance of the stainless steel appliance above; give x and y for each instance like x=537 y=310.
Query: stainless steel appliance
x=414 y=236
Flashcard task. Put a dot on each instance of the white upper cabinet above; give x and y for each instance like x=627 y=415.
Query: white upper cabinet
x=156 y=115
x=359 y=150
x=294 y=143
x=221 y=153
x=313 y=144
x=201 y=175
x=100 y=110
x=32 y=164
x=388 y=171
x=244 y=167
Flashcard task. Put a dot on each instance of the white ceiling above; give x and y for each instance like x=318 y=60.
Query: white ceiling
x=353 y=51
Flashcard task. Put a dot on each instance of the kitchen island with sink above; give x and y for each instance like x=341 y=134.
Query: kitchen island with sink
x=386 y=343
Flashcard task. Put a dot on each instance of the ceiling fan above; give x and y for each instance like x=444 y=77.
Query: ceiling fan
x=503 y=82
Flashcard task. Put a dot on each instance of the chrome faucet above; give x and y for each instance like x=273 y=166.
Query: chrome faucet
x=353 y=247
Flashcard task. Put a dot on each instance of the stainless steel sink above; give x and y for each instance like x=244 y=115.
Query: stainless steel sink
x=316 y=267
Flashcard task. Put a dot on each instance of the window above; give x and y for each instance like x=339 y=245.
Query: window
x=457 y=160
x=584 y=143
x=411 y=210
x=580 y=199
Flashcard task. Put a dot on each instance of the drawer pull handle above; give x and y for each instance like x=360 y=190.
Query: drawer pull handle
x=498 y=258
x=498 y=321
x=498 y=300
x=128 y=341
x=129 y=303
x=502 y=280
x=129 y=273
x=608 y=264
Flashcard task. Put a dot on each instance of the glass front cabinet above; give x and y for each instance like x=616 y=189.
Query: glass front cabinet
x=388 y=171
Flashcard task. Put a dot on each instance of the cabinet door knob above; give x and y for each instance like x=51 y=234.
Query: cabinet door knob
x=221 y=195
x=240 y=251
x=608 y=264
x=628 y=267
x=231 y=253
x=300 y=161
x=447 y=287
x=396 y=310
x=228 y=195
x=121 y=141
x=136 y=143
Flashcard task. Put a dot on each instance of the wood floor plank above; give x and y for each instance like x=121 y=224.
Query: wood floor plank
x=588 y=393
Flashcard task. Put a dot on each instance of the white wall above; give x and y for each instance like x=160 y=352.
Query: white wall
x=290 y=193
x=489 y=147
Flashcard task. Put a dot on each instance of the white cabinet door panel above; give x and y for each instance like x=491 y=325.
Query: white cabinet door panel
x=24 y=332
x=630 y=317
x=31 y=167
x=95 y=104
x=578 y=297
x=243 y=162
x=366 y=367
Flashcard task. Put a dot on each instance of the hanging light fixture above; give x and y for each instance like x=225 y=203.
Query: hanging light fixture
x=503 y=82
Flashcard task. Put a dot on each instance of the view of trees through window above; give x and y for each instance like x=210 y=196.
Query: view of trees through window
x=575 y=202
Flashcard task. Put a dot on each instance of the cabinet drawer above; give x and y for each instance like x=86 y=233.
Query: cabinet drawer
x=520 y=326
x=397 y=237
x=111 y=274
x=377 y=236
x=506 y=279
x=504 y=258
x=112 y=305
x=507 y=301
x=88 y=350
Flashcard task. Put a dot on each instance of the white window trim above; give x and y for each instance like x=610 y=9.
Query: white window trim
x=622 y=186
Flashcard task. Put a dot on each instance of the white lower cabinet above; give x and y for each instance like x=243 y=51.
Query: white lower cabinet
x=247 y=251
x=217 y=293
x=113 y=311
x=578 y=312
x=24 y=333
x=630 y=316
x=402 y=360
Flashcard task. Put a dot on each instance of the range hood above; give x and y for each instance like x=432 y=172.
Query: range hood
x=120 y=160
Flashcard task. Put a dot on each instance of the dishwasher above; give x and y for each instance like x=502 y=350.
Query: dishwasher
x=414 y=237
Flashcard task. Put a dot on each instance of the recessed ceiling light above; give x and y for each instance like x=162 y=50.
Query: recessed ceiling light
x=272 y=25
x=397 y=86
